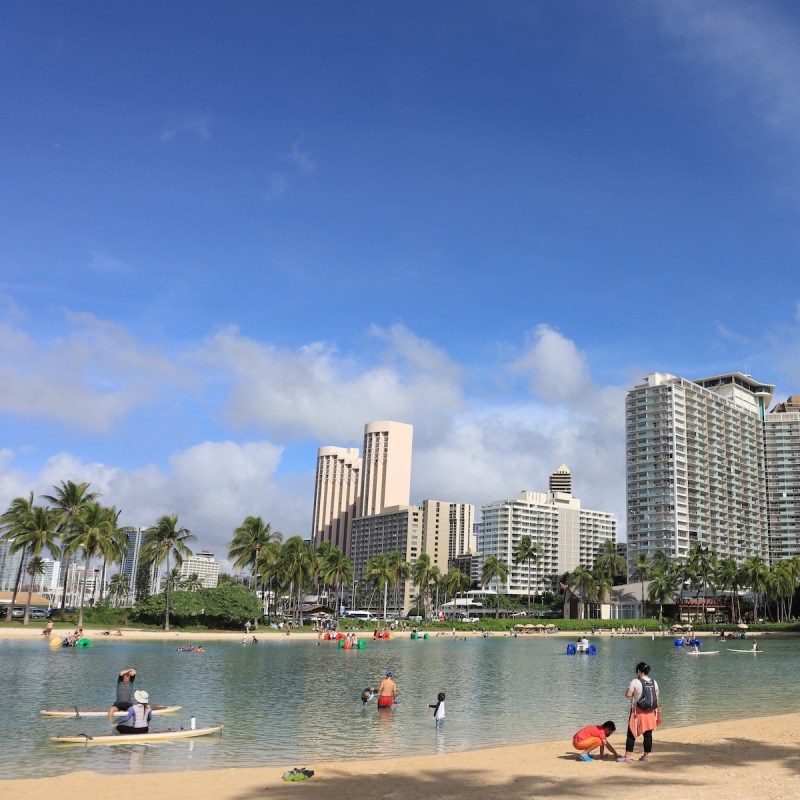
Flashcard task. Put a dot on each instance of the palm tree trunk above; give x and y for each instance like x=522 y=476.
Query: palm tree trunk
x=167 y=588
x=385 y=597
x=16 y=585
x=25 y=617
x=102 y=579
x=83 y=591
x=64 y=592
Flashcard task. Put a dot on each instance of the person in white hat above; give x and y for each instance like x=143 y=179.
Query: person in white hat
x=137 y=720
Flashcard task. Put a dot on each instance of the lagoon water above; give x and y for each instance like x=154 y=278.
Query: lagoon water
x=292 y=702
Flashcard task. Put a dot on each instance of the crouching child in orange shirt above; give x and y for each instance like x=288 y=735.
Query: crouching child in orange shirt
x=593 y=736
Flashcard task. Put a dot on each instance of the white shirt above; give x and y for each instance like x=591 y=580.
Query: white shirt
x=636 y=687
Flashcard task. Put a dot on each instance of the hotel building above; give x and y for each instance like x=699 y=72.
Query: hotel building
x=336 y=495
x=782 y=443
x=695 y=468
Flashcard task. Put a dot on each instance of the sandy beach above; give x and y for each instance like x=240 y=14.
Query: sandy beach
x=754 y=758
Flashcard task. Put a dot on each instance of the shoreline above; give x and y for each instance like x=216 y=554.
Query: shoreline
x=711 y=761
x=137 y=634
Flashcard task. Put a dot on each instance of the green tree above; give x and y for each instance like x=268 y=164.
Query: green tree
x=336 y=571
x=248 y=540
x=702 y=563
x=581 y=582
x=89 y=532
x=728 y=574
x=528 y=552
x=268 y=570
x=297 y=566
x=400 y=573
x=661 y=589
x=640 y=572
x=378 y=570
x=166 y=540
x=12 y=525
x=118 y=588
x=423 y=574
x=456 y=582
x=69 y=499
x=754 y=576
x=610 y=563
x=494 y=569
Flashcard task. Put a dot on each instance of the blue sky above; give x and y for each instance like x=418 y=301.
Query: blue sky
x=230 y=233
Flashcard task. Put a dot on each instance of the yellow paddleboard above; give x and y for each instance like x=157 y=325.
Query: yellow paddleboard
x=137 y=738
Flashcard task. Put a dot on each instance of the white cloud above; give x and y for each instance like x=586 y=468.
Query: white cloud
x=750 y=50
x=90 y=378
x=315 y=391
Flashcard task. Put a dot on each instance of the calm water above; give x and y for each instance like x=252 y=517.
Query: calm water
x=293 y=703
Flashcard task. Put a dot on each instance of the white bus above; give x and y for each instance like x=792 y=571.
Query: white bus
x=364 y=616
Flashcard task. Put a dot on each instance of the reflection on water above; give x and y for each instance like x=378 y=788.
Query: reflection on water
x=292 y=702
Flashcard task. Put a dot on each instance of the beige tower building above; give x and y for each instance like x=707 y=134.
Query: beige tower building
x=336 y=496
x=561 y=480
x=386 y=467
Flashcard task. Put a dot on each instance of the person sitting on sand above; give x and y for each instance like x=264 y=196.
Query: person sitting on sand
x=593 y=736
x=118 y=633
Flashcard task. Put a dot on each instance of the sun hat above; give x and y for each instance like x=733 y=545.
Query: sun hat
x=141 y=696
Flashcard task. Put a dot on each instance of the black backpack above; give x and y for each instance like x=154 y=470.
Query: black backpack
x=649 y=699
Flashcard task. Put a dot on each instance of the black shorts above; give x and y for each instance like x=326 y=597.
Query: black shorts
x=120 y=706
x=131 y=729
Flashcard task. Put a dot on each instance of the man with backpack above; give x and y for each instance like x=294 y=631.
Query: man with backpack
x=645 y=715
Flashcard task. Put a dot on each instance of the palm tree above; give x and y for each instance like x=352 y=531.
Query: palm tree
x=728 y=579
x=268 y=568
x=118 y=587
x=379 y=570
x=754 y=576
x=494 y=569
x=114 y=547
x=603 y=585
x=11 y=524
x=337 y=571
x=641 y=571
x=297 y=565
x=581 y=582
x=35 y=567
x=163 y=541
x=610 y=563
x=528 y=551
x=90 y=531
x=401 y=572
x=701 y=561
x=423 y=574
x=36 y=534
x=69 y=499
x=192 y=583
x=661 y=588
x=456 y=582
x=248 y=540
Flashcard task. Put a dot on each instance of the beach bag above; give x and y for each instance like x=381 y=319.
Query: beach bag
x=649 y=699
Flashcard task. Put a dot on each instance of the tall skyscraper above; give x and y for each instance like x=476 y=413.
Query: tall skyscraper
x=336 y=493
x=695 y=466
x=386 y=467
x=783 y=478
x=567 y=534
x=130 y=562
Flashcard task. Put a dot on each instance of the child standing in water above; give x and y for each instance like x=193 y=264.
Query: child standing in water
x=438 y=709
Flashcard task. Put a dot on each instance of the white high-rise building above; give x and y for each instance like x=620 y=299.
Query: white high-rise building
x=695 y=466
x=567 y=534
x=336 y=493
x=9 y=566
x=783 y=479
x=204 y=566
x=385 y=467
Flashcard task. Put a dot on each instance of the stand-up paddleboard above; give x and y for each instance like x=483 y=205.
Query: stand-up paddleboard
x=137 y=738
x=743 y=651
x=707 y=653
x=101 y=712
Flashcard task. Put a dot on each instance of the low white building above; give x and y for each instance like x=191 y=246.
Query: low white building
x=204 y=566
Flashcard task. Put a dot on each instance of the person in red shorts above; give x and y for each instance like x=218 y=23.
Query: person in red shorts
x=387 y=692
x=592 y=736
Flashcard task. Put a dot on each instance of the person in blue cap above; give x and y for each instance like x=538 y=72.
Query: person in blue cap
x=387 y=692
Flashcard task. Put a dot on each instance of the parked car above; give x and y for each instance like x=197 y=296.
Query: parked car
x=37 y=613
x=470 y=620
x=414 y=618
x=18 y=612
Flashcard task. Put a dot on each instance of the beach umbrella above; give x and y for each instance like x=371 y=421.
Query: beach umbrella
x=519 y=627
x=539 y=627
x=551 y=625
x=742 y=625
